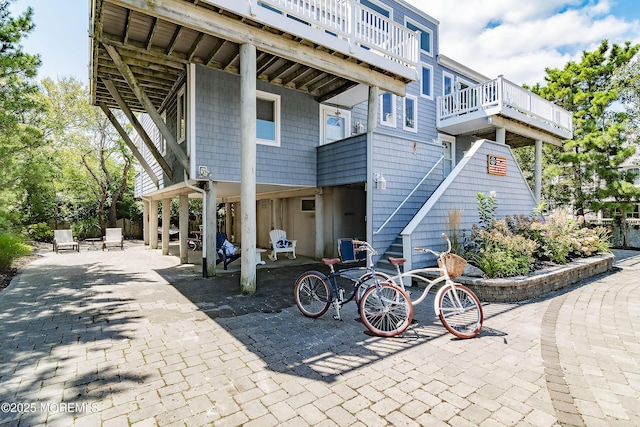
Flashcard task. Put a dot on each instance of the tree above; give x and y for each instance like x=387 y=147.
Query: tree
x=19 y=135
x=588 y=164
x=97 y=166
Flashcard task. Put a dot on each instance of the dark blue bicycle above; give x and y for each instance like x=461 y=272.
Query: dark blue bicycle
x=385 y=309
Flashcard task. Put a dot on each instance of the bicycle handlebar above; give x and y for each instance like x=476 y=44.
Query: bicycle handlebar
x=445 y=237
x=367 y=246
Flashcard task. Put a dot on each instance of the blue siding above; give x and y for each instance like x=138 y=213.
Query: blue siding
x=512 y=194
x=218 y=132
x=404 y=163
x=343 y=162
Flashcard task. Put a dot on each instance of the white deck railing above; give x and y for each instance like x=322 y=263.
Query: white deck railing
x=502 y=93
x=356 y=23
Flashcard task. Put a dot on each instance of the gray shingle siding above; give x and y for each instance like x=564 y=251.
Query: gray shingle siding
x=512 y=194
x=218 y=132
x=404 y=163
x=343 y=163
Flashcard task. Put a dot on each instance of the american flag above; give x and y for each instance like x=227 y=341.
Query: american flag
x=497 y=165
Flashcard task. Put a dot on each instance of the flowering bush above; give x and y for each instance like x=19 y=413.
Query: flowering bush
x=517 y=244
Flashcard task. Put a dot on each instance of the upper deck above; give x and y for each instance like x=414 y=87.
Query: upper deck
x=322 y=47
x=500 y=103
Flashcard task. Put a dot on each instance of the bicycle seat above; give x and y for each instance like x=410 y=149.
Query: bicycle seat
x=397 y=261
x=330 y=261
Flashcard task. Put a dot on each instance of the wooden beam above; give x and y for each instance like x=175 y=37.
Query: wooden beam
x=218 y=25
x=528 y=132
x=138 y=127
x=149 y=107
x=127 y=140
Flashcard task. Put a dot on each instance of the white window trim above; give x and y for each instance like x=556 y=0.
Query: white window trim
x=382 y=6
x=452 y=140
x=267 y=96
x=328 y=109
x=180 y=131
x=453 y=81
x=384 y=122
x=415 y=114
x=422 y=95
x=424 y=30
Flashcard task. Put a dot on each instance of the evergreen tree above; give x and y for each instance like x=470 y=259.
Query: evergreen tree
x=588 y=165
x=19 y=138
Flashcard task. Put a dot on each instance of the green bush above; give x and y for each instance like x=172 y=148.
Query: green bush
x=11 y=248
x=517 y=244
x=86 y=228
x=40 y=232
x=501 y=253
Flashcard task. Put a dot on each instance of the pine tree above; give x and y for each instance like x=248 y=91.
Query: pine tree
x=589 y=163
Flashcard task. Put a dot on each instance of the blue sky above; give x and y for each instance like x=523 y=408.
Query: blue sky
x=516 y=38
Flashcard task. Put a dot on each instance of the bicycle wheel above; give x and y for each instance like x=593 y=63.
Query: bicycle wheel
x=366 y=281
x=460 y=311
x=192 y=245
x=312 y=294
x=386 y=310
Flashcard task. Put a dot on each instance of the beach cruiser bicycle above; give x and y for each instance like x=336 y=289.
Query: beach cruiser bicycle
x=458 y=308
x=384 y=308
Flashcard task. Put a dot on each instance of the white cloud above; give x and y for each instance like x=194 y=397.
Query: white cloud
x=519 y=39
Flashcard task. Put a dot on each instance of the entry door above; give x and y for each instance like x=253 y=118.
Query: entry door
x=449 y=152
x=335 y=124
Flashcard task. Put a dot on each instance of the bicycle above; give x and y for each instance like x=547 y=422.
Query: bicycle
x=384 y=308
x=458 y=308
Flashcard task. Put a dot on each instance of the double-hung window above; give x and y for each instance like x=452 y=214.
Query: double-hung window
x=426 y=39
x=388 y=109
x=410 y=122
x=267 y=118
x=426 y=81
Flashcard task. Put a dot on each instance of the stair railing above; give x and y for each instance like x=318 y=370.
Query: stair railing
x=409 y=195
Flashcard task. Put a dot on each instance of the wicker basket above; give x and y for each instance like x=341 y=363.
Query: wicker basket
x=454 y=263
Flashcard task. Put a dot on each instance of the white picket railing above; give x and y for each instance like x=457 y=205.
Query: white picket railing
x=356 y=23
x=503 y=93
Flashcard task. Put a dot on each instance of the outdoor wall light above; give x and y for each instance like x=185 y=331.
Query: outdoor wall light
x=203 y=172
x=381 y=182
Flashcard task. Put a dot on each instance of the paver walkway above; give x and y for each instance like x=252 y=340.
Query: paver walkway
x=104 y=339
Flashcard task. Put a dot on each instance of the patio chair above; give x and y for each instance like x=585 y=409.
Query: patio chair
x=280 y=243
x=64 y=239
x=113 y=236
x=221 y=250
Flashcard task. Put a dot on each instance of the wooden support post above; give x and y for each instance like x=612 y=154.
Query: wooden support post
x=153 y=225
x=538 y=172
x=166 y=223
x=184 y=228
x=248 y=167
x=210 y=214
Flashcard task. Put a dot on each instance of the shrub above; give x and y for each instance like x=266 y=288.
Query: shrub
x=500 y=253
x=515 y=245
x=11 y=248
x=87 y=228
x=40 y=232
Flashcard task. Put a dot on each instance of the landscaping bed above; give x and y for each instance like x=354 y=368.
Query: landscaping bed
x=539 y=282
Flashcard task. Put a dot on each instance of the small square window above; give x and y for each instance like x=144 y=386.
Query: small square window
x=308 y=205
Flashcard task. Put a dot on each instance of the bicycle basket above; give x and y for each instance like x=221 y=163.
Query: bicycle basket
x=454 y=263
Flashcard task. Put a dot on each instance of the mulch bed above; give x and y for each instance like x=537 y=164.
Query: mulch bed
x=6 y=275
